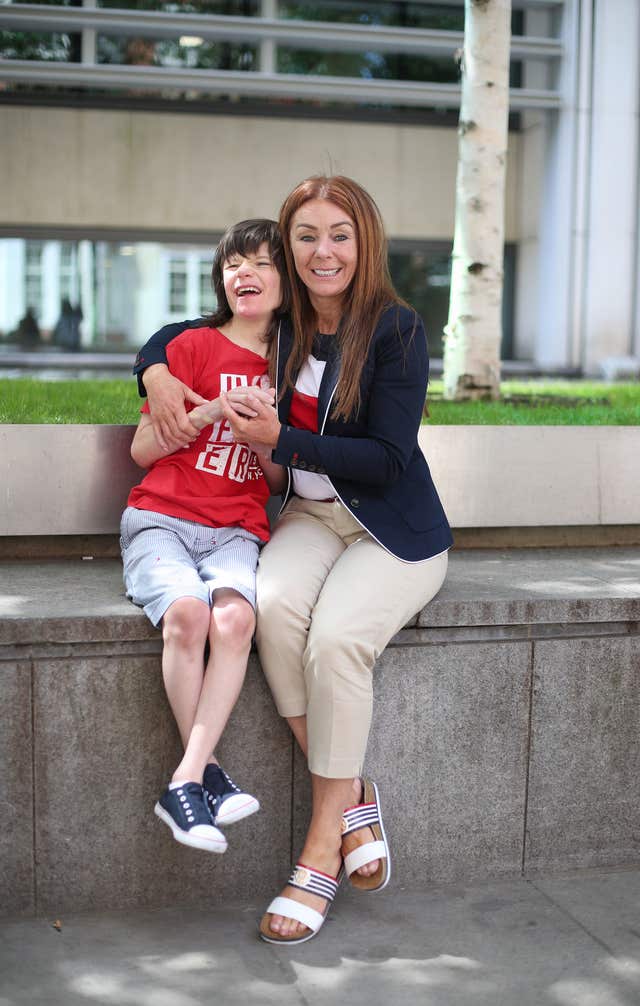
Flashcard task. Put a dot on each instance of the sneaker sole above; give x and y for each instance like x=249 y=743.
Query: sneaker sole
x=193 y=841
x=237 y=812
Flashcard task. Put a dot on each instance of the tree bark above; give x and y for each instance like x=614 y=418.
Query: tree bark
x=474 y=328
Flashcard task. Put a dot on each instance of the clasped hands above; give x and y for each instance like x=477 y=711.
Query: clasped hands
x=250 y=412
x=252 y=416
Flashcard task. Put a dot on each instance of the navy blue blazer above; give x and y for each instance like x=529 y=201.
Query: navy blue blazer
x=373 y=460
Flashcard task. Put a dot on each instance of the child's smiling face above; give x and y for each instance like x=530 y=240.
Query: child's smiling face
x=252 y=284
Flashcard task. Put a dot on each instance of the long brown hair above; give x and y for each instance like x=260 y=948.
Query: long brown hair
x=371 y=289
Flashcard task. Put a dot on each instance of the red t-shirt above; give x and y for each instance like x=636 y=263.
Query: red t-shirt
x=214 y=481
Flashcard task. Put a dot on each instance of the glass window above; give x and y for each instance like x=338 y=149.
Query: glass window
x=177 y=286
x=124 y=290
x=121 y=292
x=422 y=276
x=68 y=271
x=33 y=276
x=207 y=296
x=194 y=52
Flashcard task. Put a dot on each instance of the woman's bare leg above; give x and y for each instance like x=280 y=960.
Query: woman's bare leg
x=298 y=726
x=321 y=849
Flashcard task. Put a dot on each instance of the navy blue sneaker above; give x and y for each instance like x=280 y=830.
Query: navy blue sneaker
x=184 y=810
x=226 y=801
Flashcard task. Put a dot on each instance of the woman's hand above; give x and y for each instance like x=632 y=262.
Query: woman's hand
x=243 y=399
x=211 y=412
x=259 y=425
x=167 y=396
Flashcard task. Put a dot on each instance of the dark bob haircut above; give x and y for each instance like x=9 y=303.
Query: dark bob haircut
x=246 y=238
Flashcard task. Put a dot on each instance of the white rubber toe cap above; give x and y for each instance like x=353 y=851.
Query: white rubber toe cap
x=235 y=807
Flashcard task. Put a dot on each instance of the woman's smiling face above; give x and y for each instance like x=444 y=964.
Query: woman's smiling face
x=325 y=250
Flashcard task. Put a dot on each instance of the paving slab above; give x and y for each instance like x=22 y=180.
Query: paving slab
x=563 y=941
x=605 y=904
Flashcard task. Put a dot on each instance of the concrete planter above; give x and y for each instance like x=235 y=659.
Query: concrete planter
x=532 y=476
x=75 y=479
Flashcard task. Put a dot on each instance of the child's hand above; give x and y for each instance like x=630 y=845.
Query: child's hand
x=206 y=415
x=258 y=424
x=239 y=399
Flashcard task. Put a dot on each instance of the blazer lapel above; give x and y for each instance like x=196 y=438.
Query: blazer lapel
x=285 y=343
x=328 y=384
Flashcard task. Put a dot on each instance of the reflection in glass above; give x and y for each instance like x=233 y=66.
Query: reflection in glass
x=121 y=292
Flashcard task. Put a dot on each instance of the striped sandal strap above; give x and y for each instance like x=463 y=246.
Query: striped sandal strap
x=314 y=881
x=363 y=816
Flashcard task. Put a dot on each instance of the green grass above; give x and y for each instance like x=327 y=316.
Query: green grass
x=524 y=403
x=542 y=403
x=27 y=400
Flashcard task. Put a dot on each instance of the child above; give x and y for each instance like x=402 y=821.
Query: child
x=193 y=527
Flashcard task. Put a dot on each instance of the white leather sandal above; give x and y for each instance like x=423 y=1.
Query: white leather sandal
x=305 y=878
x=367 y=815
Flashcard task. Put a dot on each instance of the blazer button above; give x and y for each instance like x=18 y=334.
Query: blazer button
x=355 y=503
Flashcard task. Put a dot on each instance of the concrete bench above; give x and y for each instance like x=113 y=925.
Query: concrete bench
x=505 y=736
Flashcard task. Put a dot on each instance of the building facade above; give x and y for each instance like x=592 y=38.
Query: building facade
x=140 y=136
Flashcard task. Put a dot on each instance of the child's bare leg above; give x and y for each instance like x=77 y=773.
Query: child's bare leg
x=232 y=622
x=184 y=631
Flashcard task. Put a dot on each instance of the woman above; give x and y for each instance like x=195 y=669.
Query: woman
x=361 y=512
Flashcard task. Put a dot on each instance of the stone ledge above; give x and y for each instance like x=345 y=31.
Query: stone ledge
x=70 y=601
x=517 y=739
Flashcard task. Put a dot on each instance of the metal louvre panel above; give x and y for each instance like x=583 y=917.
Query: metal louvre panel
x=275 y=85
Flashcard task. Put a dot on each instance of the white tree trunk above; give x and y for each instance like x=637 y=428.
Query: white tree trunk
x=474 y=328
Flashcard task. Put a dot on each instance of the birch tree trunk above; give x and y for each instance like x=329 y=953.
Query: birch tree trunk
x=474 y=329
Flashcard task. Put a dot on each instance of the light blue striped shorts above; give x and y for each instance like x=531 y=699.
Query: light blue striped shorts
x=166 y=558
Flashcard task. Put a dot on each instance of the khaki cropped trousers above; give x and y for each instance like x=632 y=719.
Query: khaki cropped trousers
x=329 y=599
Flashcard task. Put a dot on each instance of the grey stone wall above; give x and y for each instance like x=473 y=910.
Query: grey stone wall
x=505 y=737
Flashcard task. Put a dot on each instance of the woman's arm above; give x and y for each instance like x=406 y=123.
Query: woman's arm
x=256 y=407
x=155 y=349
x=167 y=395
x=394 y=411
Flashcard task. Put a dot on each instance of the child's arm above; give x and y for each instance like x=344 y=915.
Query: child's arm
x=145 y=448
